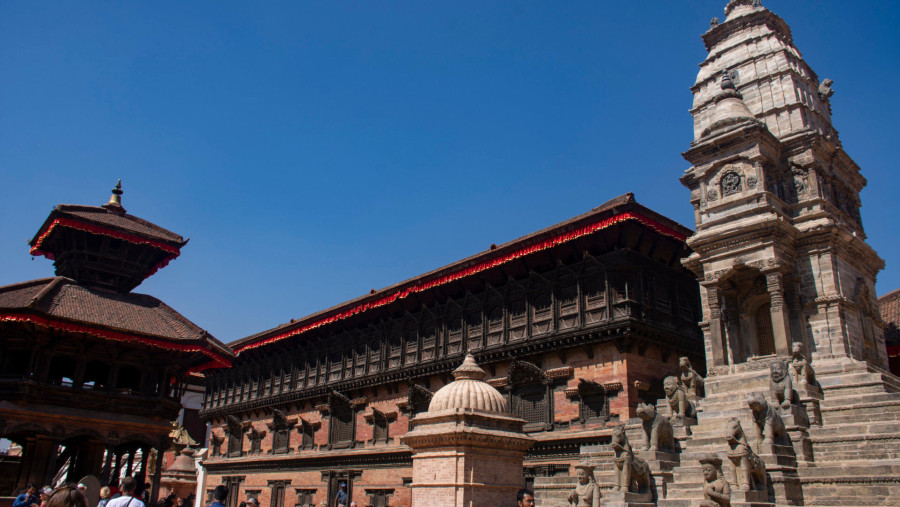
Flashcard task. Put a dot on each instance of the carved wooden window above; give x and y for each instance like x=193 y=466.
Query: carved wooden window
x=541 y=310
x=235 y=432
x=517 y=315
x=233 y=484
x=494 y=316
x=662 y=295
x=411 y=346
x=418 y=399
x=335 y=361
x=281 y=432
x=454 y=334
x=474 y=326
x=594 y=294
x=360 y=359
x=380 y=427
x=530 y=396
x=593 y=402
x=428 y=334
x=395 y=344
x=255 y=436
x=374 y=353
x=685 y=297
x=567 y=304
x=379 y=497
x=764 y=335
x=342 y=427
x=305 y=497
x=277 y=492
x=307 y=434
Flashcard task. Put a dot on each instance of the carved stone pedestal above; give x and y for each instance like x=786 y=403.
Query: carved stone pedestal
x=627 y=499
x=661 y=465
x=750 y=499
x=682 y=427
x=796 y=423
x=810 y=397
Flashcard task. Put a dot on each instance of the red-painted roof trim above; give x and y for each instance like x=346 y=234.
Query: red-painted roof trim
x=437 y=280
x=216 y=361
x=96 y=229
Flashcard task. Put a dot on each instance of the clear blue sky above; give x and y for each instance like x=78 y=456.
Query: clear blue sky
x=315 y=150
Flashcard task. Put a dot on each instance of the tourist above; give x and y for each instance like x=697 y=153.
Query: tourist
x=67 y=496
x=127 y=499
x=525 y=498
x=46 y=492
x=105 y=494
x=252 y=502
x=341 y=498
x=219 y=496
x=29 y=497
x=114 y=488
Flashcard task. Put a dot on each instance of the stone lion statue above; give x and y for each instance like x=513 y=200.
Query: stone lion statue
x=658 y=433
x=679 y=405
x=749 y=470
x=632 y=473
x=780 y=384
x=769 y=425
x=801 y=370
x=689 y=379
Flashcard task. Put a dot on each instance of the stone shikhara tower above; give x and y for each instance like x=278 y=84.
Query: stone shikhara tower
x=779 y=248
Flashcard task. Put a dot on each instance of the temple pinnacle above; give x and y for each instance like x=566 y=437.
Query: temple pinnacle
x=115 y=200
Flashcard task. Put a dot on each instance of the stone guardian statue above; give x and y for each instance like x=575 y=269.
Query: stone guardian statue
x=679 y=405
x=801 y=370
x=587 y=492
x=716 y=491
x=780 y=384
x=749 y=470
x=689 y=379
x=632 y=473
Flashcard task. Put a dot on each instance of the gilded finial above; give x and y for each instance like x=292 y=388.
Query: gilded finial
x=115 y=200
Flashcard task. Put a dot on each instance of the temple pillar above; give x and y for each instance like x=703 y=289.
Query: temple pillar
x=157 y=472
x=781 y=325
x=716 y=346
x=130 y=463
x=37 y=453
x=106 y=471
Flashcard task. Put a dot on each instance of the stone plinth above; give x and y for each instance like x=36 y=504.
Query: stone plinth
x=466 y=450
x=627 y=499
x=181 y=476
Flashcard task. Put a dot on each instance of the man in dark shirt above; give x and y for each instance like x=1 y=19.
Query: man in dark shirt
x=219 y=496
x=341 y=499
x=29 y=497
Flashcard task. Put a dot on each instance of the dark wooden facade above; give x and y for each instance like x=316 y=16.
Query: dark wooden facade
x=573 y=332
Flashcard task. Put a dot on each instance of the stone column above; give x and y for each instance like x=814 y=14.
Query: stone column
x=715 y=326
x=781 y=328
x=467 y=451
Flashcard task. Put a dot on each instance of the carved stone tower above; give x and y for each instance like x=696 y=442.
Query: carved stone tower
x=779 y=247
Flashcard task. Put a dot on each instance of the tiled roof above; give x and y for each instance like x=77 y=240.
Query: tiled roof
x=107 y=218
x=615 y=210
x=62 y=298
x=889 y=307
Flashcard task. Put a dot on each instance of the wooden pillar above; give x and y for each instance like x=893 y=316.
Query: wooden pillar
x=781 y=326
x=130 y=463
x=157 y=473
x=106 y=471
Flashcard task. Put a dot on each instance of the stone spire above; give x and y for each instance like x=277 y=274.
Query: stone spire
x=776 y=83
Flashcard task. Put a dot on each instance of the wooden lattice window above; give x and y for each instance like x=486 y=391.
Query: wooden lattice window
x=380 y=427
x=342 y=427
x=764 y=335
x=530 y=395
x=379 y=497
x=277 y=492
x=235 y=432
x=305 y=497
x=307 y=434
x=281 y=432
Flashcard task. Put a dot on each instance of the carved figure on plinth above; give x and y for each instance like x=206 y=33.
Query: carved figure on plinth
x=679 y=405
x=801 y=370
x=587 y=492
x=716 y=491
x=769 y=425
x=780 y=384
x=689 y=379
x=749 y=470
x=632 y=473
x=658 y=433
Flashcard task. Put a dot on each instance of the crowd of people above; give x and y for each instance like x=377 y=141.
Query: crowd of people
x=127 y=492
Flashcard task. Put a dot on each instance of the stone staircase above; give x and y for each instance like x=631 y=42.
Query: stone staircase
x=844 y=443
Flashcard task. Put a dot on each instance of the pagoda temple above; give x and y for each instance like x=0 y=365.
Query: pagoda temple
x=90 y=372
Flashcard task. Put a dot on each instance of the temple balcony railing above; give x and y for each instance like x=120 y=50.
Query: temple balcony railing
x=27 y=391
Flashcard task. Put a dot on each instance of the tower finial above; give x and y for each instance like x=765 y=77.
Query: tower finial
x=115 y=200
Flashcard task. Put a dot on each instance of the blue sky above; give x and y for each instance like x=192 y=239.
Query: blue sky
x=315 y=150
